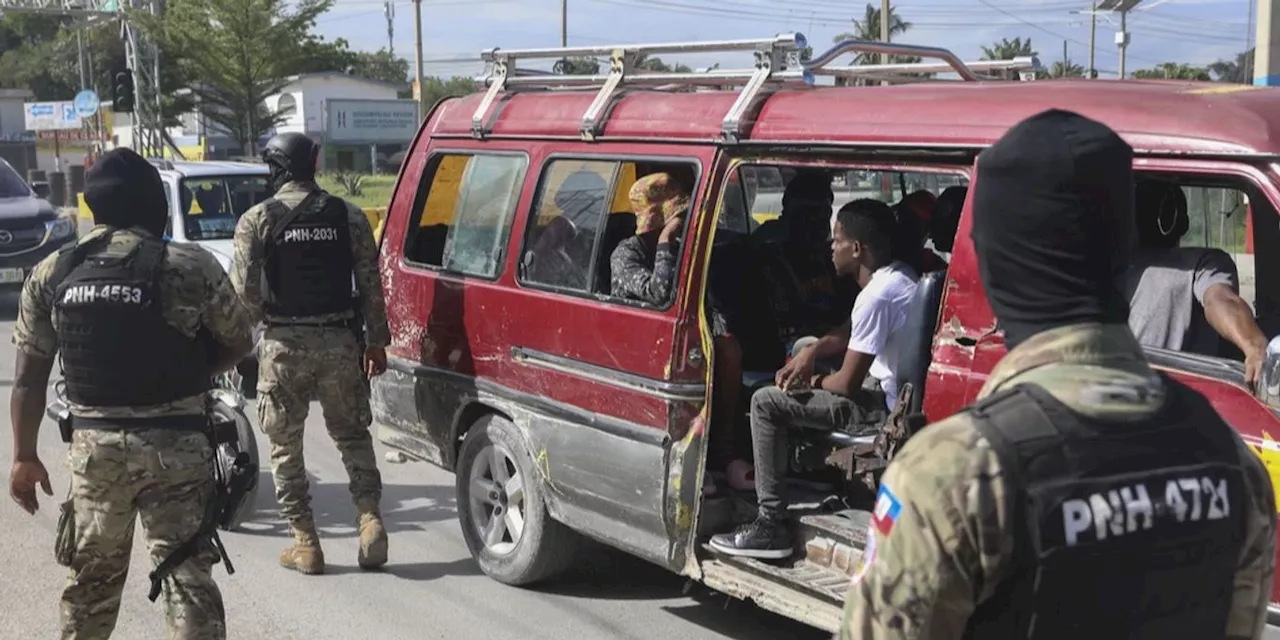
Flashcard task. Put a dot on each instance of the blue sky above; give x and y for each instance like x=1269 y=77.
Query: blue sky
x=1193 y=31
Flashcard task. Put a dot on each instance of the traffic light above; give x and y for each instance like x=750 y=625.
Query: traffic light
x=122 y=91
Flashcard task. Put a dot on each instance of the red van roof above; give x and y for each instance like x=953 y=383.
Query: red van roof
x=1153 y=115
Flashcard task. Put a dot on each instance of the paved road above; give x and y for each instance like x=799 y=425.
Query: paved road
x=431 y=589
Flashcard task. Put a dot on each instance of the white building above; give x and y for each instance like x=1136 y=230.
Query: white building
x=357 y=120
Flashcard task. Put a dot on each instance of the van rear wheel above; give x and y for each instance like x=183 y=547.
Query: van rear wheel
x=502 y=510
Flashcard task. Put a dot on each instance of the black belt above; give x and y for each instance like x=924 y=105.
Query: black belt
x=172 y=423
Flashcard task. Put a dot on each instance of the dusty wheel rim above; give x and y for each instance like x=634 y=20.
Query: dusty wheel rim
x=497 y=499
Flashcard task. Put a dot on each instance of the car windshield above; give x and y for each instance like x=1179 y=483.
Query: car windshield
x=11 y=184
x=213 y=204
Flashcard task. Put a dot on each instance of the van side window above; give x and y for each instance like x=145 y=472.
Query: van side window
x=572 y=201
x=581 y=214
x=462 y=221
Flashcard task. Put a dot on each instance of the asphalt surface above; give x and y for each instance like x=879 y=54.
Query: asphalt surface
x=430 y=589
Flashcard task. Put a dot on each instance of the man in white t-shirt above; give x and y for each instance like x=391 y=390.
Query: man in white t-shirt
x=846 y=399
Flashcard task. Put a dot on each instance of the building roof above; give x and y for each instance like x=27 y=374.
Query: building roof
x=16 y=93
x=1155 y=116
x=338 y=74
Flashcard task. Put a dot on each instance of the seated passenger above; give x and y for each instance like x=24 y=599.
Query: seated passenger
x=861 y=245
x=913 y=214
x=803 y=288
x=1185 y=298
x=644 y=268
x=557 y=258
x=946 y=218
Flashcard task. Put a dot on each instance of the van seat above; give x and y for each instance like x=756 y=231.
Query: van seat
x=922 y=321
x=618 y=226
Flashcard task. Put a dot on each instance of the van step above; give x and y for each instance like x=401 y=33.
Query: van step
x=813 y=580
x=773 y=592
x=834 y=542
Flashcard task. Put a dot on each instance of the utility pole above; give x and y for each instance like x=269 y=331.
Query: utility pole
x=390 y=10
x=564 y=23
x=1266 y=53
x=1123 y=7
x=1122 y=39
x=884 y=28
x=417 y=45
x=80 y=57
x=1093 y=37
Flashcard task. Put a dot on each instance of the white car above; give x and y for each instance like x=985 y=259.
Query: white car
x=206 y=199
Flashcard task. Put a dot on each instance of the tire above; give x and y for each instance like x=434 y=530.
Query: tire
x=543 y=548
x=247 y=442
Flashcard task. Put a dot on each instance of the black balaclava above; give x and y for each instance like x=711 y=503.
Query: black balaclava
x=124 y=190
x=1053 y=224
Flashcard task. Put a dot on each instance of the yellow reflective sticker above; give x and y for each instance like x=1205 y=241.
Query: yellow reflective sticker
x=1222 y=88
x=1269 y=452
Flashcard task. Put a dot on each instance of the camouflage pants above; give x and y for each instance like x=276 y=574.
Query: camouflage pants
x=165 y=477
x=297 y=364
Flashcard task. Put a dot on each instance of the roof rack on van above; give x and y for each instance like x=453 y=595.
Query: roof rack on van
x=772 y=59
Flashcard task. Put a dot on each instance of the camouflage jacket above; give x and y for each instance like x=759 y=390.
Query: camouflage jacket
x=195 y=293
x=950 y=546
x=247 y=268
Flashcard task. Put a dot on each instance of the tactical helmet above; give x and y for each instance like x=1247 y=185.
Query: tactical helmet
x=292 y=153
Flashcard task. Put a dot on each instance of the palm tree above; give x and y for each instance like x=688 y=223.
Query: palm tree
x=1066 y=69
x=869 y=29
x=1239 y=70
x=1008 y=49
x=1173 y=71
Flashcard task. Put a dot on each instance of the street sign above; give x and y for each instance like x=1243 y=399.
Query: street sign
x=86 y=103
x=50 y=116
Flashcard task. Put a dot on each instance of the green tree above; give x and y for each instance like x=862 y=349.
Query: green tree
x=868 y=28
x=436 y=89
x=1008 y=49
x=319 y=56
x=578 y=66
x=1067 y=69
x=241 y=52
x=40 y=53
x=1173 y=71
x=1239 y=71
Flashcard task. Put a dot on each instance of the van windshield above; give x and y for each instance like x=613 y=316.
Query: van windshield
x=211 y=205
x=11 y=184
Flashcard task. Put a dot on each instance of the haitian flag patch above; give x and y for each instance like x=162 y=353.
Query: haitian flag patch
x=887 y=510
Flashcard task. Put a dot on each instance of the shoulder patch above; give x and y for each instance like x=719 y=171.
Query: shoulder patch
x=868 y=555
x=887 y=510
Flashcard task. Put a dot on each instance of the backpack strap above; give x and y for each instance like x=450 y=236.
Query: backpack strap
x=280 y=217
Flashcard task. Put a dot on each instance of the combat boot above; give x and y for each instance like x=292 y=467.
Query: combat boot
x=373 y=540
x=305 y=555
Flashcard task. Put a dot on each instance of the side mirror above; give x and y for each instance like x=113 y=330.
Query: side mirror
x=1269 y=378
x=41 y=189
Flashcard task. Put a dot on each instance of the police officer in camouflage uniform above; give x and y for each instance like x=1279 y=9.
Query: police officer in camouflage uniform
x=1084 y=495
x=141 y=326
x=295 y=255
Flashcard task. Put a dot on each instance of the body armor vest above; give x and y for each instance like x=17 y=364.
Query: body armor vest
x=117 y=349
x=1122 y=530
x=309 y=264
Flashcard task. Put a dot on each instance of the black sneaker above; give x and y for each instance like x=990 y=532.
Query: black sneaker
x=764 y=538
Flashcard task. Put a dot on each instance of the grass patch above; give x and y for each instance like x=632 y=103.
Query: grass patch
x=373 y=191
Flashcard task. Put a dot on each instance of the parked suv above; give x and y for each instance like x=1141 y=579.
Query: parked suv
x=566 y=411
x=30 y=228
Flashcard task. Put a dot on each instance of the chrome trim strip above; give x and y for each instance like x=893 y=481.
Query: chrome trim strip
x=669 y=391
